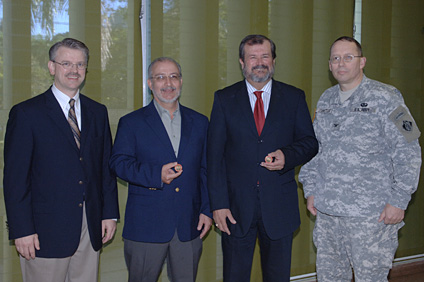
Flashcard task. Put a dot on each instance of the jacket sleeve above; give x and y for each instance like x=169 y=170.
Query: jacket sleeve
x=217 y=136
x=124 y=160
x=18 y=150
x=109 y=187
x=305 y=145
x=205 y=208
x=404 y=152
x=308 y=175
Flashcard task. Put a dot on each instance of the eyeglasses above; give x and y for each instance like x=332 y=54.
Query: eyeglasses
x=346 y=59
x=162 y=78
x=69 y=65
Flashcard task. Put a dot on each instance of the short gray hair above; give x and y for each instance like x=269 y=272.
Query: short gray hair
x=69 y=43
x=163 y=59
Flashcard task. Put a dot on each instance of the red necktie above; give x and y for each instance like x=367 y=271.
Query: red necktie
x=258 y=112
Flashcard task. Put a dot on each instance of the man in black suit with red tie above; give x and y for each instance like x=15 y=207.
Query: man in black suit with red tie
x=61 y=199
x=250 y=197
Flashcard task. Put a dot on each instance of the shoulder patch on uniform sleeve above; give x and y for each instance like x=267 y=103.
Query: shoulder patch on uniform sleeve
x=405 y=123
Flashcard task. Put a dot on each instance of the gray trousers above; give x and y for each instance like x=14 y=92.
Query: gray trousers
x=145 y=260
x=361 y=243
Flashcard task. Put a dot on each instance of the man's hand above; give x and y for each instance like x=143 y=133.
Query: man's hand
x=26 y=246
x=310 y=205
x=220 y=218
x=168 y=174
x=391 y=215
x=205 y=223
x=278 y=163
x=108 y=229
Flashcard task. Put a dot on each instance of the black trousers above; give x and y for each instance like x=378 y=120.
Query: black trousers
x=238 y=253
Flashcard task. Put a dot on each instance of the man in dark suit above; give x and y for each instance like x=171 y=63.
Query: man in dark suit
x=61 y=199
x=252 y=121
x=160 y=150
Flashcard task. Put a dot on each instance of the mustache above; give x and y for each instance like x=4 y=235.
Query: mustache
x=168 y=88
x=260 y=67
x=73 y=74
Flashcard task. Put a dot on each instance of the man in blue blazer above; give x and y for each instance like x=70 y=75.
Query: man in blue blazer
x=160 y=150
x=61 y=199
x=252 y=121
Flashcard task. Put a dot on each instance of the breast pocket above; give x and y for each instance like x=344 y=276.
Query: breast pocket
x=363 y=131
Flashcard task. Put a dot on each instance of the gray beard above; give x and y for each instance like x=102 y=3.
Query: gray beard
x=168 y=101
x=256 y=78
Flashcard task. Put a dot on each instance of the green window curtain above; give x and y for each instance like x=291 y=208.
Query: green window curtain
x=204 y=36
x=393 y=43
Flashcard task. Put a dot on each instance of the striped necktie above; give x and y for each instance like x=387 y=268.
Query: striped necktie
x=72 y=119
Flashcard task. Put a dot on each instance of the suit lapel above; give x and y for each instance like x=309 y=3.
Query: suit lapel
x=243 y=103
x=56 y=114
x=186 y=129
x=86 y=121
x=155 y=122
x=276 y=106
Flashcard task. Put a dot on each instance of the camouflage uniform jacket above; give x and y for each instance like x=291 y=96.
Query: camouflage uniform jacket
x=369 y=153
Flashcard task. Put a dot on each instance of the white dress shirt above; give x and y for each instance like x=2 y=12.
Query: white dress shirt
x=266 y=95
x=63 y=101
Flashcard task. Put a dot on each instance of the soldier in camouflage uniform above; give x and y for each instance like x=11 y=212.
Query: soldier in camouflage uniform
x=360 y=182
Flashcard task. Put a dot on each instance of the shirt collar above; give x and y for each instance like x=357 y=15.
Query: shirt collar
x=266 y=89
x=62 y=98
x=161 y=110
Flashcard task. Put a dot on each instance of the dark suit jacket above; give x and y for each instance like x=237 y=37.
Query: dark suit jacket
x=235 y=152
x=46 y=176
x=154 y=210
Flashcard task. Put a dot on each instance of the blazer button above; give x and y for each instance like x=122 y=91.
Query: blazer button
x=80 y=205
x=80 y=158
x=80 y=182
x=177 y=189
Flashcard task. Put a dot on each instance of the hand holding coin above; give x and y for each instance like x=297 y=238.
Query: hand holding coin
x=178 y=167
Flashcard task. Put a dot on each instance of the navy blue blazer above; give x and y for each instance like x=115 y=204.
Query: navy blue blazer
x=154 y=210
x=46 y=177
x=235 y=152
